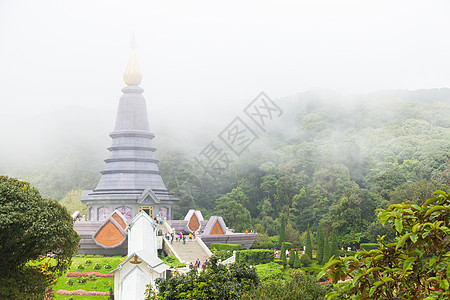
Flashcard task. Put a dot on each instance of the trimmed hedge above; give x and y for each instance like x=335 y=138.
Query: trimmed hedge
x=369 y=246
x=263 y=245
x=226 y=247
x=255 y=257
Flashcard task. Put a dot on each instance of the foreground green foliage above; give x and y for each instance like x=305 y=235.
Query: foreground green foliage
x=300 y=286
x=32 y=227
x=216 y=282
x=415 y=266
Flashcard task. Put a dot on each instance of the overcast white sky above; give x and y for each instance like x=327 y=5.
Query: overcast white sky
x=207 y=57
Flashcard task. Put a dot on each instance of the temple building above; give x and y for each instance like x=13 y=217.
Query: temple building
x=131 y=181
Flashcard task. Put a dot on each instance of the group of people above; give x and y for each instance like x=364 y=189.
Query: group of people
x=181 y=237
x=198 y=264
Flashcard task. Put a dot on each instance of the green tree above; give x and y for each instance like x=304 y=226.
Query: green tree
x=32 y=227
x=297 y=263
x=216 y=282
x=292 y=259
x=334 y=250
x=282 y=238
x=305 y=260
x=233 y=212
x=415 y=266
x=326 y=247
x=319 y=245
x=308 y=243
x=283 y=255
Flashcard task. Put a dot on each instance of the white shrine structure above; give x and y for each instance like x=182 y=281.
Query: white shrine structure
x=142 y=265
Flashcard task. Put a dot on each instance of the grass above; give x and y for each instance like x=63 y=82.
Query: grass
x=100 y=284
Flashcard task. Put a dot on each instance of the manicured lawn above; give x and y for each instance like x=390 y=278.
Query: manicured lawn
x=87 y=264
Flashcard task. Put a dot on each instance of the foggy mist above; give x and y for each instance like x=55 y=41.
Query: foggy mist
x=202 y=62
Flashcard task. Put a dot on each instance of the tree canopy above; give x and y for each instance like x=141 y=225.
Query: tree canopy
x=32 y=228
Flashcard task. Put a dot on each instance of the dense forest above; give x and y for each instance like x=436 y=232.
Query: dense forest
x=328 y=161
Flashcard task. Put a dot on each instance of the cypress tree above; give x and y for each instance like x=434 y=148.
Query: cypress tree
x=308 y=243
x=319 y=245
x=283 y=255
x=334 y=244
x=326 y=247
x=282 y=238
x=292 y=259
x=297 y=263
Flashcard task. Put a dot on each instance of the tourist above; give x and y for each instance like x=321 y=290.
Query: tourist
x=246 y=231
x=181 y=236
x=194 y=235
x=184 y=239
x=171 y=238
x=191 y=266
x=190 y=236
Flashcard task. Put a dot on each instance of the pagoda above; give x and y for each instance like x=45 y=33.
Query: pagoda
x=131 y=181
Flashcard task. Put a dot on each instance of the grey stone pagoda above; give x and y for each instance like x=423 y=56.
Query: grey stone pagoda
x=131 y=180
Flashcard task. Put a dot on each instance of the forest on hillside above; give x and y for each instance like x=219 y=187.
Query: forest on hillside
x=328 y=161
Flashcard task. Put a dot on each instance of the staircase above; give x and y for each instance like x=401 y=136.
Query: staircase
x=190 y=251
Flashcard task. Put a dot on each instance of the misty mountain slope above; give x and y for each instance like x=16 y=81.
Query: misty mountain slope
x=318 y=129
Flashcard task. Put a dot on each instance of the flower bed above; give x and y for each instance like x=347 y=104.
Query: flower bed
x=96 y=274
x=82 y=292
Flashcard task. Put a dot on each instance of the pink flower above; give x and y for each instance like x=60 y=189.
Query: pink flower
x=82 y=292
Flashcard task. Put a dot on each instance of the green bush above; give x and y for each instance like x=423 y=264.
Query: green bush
x=305 y=260
x=255 y=257
x=270 y=271
x=70 y=282
x=226 y=247
x=97 y=266
x=369 y=246
x=80 y=266
x=88 y=262
x=107 y=266
x=81 y=279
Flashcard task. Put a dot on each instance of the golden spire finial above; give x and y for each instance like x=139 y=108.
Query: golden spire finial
x=132 y=75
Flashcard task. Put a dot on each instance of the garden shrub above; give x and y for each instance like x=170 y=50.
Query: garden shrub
x=305 y=260
x=97 y=266
x=269 y=271
x=263 y=245
x=255 y=256
x=107 y=266
x=220 y=246
x=80 y=266
x=81 y=279
x=70 y=282
x=88 y=262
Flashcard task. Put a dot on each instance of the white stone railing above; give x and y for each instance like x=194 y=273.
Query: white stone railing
x=230 y=260
x=165 y=224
